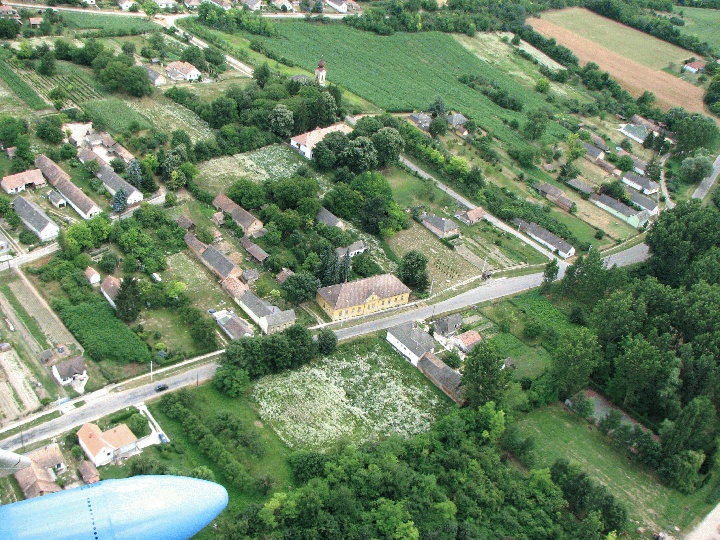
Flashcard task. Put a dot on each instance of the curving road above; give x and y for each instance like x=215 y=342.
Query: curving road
x=704 y=188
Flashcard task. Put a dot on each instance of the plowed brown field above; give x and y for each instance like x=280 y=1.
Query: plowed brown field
x=670 y=91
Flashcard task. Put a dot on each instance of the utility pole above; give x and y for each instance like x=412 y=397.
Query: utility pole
x=151 y=373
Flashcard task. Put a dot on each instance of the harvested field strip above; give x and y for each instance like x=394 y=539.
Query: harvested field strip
x=19 y=376
x=629 y=42
x=9 y=407
x=20 y=87
x=633 y=76
x=29 y=322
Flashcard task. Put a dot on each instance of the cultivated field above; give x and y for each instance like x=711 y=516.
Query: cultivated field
x=74 y=83
x=116 y=114
x=18 y=377
x=559 y=433
x=160 y=111
x=630 y=43
x=703 y=23
x=20 y=87
x=109 y=23
x=445 y=266
x=632 y=75
x=10 y=103
x=364 y=391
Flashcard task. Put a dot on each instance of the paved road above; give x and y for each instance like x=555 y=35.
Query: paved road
x=82 y=10
x=468 y=204
x=669 y=203
x=103 y=403
x=35 y=254
x=706 y=184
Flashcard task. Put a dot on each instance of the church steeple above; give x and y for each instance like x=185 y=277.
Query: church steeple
x=320 y=72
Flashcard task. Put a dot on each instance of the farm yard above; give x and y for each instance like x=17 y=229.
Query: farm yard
x=365 y=390
x=202 y=289
x=116 y=114
x=634 y=76
x=559 y=433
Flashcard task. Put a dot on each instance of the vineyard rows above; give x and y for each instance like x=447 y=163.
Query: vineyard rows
x=20 y=87
x=79 y=91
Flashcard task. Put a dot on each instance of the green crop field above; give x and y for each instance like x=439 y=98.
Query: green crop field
x=116 y=114
x=109 y=23
x=633 y=44
x=561 y=434
x=71 y=78
x=20 y=87
x=703 y=23
x=405 y=72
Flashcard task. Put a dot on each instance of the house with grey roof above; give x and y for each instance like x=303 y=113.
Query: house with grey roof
x=70 y=371
x=545 y=237
x=455 y=120
x=411 y=341
x=439 y=226
x=636 y=132
x=35 y=219
x=113 y=183
x=598 y=141
x=156 y=78
x=218 y=263
x=269 y=318
x=593 y=153
x=256 y=253
x=640 y=183
x=326 y=217
x=244 y=219
x=443 y=376
x=449 y=325
x=356 y=248
x=57 y=200
x=233 y=326
x=421 y=120
x=608 y=167
x=50 y=169
x=645 y=203
x=80 y=202
x=621 y=210
x=555 y=195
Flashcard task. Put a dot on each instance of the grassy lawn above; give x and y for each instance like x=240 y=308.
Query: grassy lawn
x=161 y=111
x=116 y=114
x=634 y=44
x=174 y=332
x=559 y=433
x=703 y=23
x=109 y=23
x=529 y=361
x=410 y=191
x=203 y=289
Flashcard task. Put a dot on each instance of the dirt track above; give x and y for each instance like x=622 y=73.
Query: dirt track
x=670 y=91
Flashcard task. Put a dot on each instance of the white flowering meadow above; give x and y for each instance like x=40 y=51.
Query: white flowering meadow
x=352 y=397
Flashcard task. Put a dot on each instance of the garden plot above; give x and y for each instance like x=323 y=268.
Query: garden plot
x=361 y=393
x=202 y=289
x=278 y=161
x=19 y=377
x=446 y=267
x=9 y=408
x=10 y=104
x=78 y=89
x=50 y=325
x=170 y=115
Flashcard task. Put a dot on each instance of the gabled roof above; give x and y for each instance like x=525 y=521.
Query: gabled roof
x=95 y=440
x=21 y=179
x=119 y=436
x=283 y=275
x=606 y=166
x=234 y=286
x=114 y=181
x=549 y=189
x=475 y=214
x=235 y=327
x=31 y=214
x=185 y=68
x=456 y=119
x=328 y=218
x=469 y=339
x=448 y=324
x=185 y=222
x=75 y=196
x=342 y=252
x=110 y=286
x=154 y=75
x=253 y=249
x=415 y=339
x=637 y=131
x=642 y=181
x=219 y=262
x=122 y=152
x=592 y=150
x=354 y=293
x=50 y=169
x=442 y=375
x=642 y=201
x=443 y=224
x=70 y=368
x=697 y=64
x=48 y=456
x=257 y=305
x=241 y=216
x=280 y=318
x=89 y=472
x=536 y=230
x=310 y=138
x=55 y=198
x=616 y=205
x=194 y=243
x=598 y=141
x=90 y=272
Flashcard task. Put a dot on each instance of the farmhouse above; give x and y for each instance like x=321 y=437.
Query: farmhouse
x=86 y=154
x=233 y=286
x=470 y=217
x=608 y=167
x=222 y=3
x=305 y=142
x=694 y=67
x=620 y=210
x=71 y=371
x=182 y=71
x=410 y=341
x=555 y=195
x=643 y=202
x=326 y=217
x=546 y=238
x=455 y=120
x=157 y=78
x=35 y=219
x=109 y=289
x=356 y=248
x=244 y=219
x=88 y=471
x=80 y=202
x=6 y=12
x=50 y=169
x=92 y=275
x=593 y=153
x=113 y=183
x=650 y=125
x=362 y=296
x=640 y=183
x=269 y=318
x=467 y=341
x=256 y=253
x=283 y=5
x=57 y=200
x=598 y=141
x=338 y=5
x=232 y=325
x=421 y=120
x=636 y=132
x=102 y=447
x=443 y=376
x=15 y=183
x=39 y=478
x=439 y=226
x=448 y=326
x=191 y=5
x=125 y=5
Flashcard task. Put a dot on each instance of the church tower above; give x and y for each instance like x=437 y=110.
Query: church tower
x=320 y=72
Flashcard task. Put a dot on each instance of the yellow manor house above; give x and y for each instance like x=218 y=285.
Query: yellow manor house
x=363 y=296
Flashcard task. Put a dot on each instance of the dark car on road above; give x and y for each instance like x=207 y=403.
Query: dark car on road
x=161 y=387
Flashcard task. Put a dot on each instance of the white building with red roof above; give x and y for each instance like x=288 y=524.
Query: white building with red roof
x=305 y=142
x=182 y=71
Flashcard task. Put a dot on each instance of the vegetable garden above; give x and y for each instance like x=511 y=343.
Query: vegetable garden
x=20 y=87
x=79 y=91
x=116 y=114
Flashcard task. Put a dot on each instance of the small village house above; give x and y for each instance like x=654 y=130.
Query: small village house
x=103 y=447
x=556 y=195
x=88 y=472
x=640 y=183
x=182 y=71
x=269 y=318
x=109 y=288
x=57 y=200
x=439 y=226
x=256 y=253
x=35 y=219
x=545 y=237
x=72 y=371
x=305 y=142
x=233 y=326
x=92 y=275
x=581 y=186
x=449 y=325
x=40 y=478
x=356 y=248
x=113 y=183
x=621 y=210
x=362 y=296
x=471 y=217
x=244 y=219
x=421 y=120
x=411 y=341
x=467 y=341
x=282 y=276
x=326 y=217
x=646 y=203
x=15 y=183
x=698 y=66
x=593 y=153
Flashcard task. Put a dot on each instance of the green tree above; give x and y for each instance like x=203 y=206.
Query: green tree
x=48 y=130
x=231 y=381
x=9 y=28
x=389 y=143
x=542 y=85
x=575 y=148
x=437 y=107
x=438 y=126
x=281 y=121
x=694 y=169
x=128 y=301
x=693 y=429
x=551 y=273
x=359 y=155
x=108 y=263
x=413 y=271
x=128 y=47
x=625 y=163
x=300 y=287
x=134 y=174
x=150 y=8
x=537 y=120
x=47 y=65
x=262 y=74
x=653 y=170
x=326 y=341
x=576 y=355
x=484 y=379
x=119 y=201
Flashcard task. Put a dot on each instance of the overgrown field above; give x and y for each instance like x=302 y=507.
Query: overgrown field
x=364 y=391
x=20 y=87
x=109 y=23
x=116 y=114
x=405 y=71
x=703 y=23
x=561 y=434
x=160 y=111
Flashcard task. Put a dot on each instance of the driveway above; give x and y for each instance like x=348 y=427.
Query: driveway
x=704 y=187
